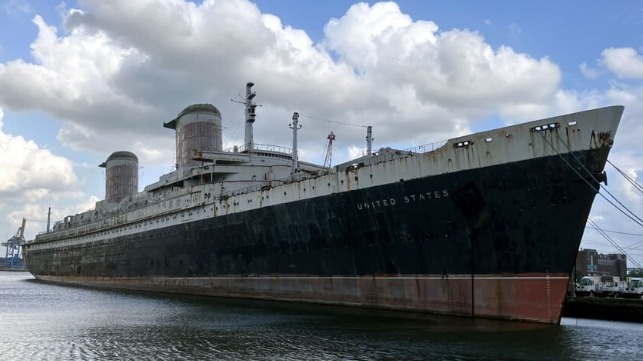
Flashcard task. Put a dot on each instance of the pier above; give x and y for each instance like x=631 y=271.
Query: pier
x=613 y=309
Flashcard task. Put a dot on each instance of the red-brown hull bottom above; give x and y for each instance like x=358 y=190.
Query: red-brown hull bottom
x=528 y=297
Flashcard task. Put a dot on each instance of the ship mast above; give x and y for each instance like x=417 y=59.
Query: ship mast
x=369 y=141
x=250 y=116
x=294 y=126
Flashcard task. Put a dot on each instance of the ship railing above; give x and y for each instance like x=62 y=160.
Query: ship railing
x=264 y=185
x=245 y=190
x=424 y=148
x=260 y=147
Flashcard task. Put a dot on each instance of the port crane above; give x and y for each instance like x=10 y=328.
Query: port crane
x=13 y=246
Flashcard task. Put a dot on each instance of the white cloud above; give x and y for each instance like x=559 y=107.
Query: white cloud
x=27 y=167
x=17 y=7
x=626 y=155
x=608 y=217
x=514 y=30
x=626 y=63
x=368 y=37
x=435 y=82
x=31 y=176
x=112 y=78
x=589 y=72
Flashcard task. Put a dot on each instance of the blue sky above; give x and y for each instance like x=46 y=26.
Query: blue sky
x=112 y=72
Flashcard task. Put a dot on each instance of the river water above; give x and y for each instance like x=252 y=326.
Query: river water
x=40 y=321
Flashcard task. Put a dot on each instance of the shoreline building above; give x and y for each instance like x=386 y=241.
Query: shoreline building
x=589 y=262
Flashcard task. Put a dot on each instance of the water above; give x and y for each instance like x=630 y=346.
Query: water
x=40 y=321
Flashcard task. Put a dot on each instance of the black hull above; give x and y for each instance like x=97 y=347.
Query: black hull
x=525 y=217
x=485 y=233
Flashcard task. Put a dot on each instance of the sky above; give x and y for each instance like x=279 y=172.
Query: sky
x=82 y=79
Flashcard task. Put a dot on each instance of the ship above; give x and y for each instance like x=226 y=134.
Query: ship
x=485 y=225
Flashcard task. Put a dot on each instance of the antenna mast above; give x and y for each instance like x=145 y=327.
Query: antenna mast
x=294 y=126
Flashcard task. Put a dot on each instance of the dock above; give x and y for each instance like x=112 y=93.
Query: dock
x=612 y=309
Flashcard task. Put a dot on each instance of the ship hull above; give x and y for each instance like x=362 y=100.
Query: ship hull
x=494 y=242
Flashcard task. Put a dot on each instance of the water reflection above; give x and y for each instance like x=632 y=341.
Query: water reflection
x=64 y=323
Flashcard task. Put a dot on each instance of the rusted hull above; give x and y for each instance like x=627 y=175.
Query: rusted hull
x=528 y=297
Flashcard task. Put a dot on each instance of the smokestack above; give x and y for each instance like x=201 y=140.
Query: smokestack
x=121 y=176
x=198 y=128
